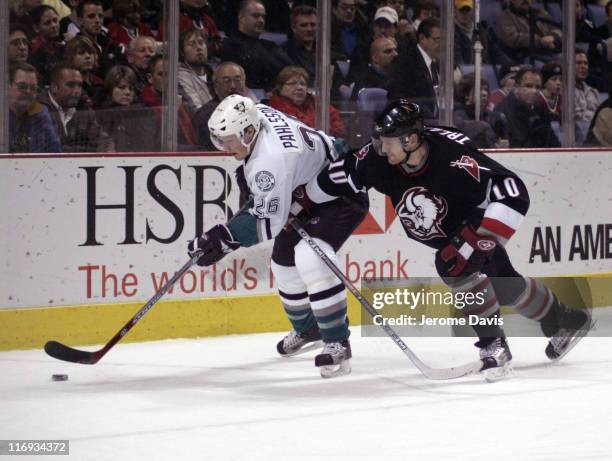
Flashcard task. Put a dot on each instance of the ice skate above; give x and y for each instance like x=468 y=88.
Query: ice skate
x=297 y=343
x=574 y=325
x=496 y=358
x=334 y=359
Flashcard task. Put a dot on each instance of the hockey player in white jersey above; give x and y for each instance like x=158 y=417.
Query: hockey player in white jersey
x=280 y=156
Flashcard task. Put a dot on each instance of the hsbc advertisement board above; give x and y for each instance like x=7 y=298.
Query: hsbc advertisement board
x=90 y=230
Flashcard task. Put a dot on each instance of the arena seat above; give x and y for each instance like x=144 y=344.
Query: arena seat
x=554 y=9
x=489 y=11
x=597 y=14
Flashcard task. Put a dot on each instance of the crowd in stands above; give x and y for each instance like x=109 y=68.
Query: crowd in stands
x=88 y=75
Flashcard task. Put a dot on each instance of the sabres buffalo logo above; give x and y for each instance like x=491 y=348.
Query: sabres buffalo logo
x=421 y=213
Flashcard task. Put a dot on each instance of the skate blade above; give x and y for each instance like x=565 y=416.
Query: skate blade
x=307 y=348
x=495 y=374
x=575 y=340
x=333 y=371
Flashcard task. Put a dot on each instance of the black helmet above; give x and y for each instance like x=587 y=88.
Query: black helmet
x=400 y=118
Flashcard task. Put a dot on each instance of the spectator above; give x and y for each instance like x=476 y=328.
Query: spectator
x=261 y=59
x=193 y=16
x=139 y=54
x=383 y=52
x=528 y=122
x=81 y=54
x=70 y=24
x=507 y=84
x=600 y=132
x=279 y=15
x=30 y=125
x=301 y=47
x=350 y=36
x=152 y=97
x=486 y=131
x=464 y=31
x=130 y=124
x=194 y=73
x=47 y=47
x=385 y=23
x=228 y=78
x=91 y=16
x=59 y=5
x=513 y=30
x=424 y=9
x=224 y=15
x=18 y=44
x=127 y=24
x=585 y=30
x=291 y=97
x=587 y=97
x=76 y=124
x=416 y=73
x=20 y=13
x=550 y=96
x=605 y=30
x=406 y=28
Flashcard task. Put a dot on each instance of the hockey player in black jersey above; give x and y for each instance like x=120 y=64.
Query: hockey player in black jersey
x=451 y=197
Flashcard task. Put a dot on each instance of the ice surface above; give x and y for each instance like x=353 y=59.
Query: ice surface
x=233 y=398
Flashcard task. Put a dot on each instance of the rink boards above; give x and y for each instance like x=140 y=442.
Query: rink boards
x=88 y=239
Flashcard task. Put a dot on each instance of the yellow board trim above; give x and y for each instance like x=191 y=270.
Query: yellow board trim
x=95 y=324
x=78 y=325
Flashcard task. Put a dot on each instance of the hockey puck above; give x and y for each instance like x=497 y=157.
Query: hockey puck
x=59 y=377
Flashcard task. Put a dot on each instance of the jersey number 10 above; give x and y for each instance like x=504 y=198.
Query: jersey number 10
x=510 y=188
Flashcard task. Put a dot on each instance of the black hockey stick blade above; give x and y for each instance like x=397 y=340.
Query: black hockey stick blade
x=68 y=354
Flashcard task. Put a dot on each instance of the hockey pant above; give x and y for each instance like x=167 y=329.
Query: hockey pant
x=500 y=284
x=308 y=289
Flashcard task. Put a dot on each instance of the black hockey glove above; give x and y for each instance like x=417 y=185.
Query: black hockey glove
x=214 y=245
x=466 y=254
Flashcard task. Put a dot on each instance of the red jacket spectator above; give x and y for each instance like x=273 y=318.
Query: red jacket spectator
x=196 y=18
x=120 y=34
x=291 y=97
x=306 y=113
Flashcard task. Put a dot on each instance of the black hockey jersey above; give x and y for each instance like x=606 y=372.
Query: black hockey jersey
x=456 y=184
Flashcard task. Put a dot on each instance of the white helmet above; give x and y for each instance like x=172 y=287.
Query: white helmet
x=232 y=116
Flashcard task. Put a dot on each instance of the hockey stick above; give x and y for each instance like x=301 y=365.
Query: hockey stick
x=428 y=372
x=62 y=352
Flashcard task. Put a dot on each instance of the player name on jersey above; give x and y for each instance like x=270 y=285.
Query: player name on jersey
x=281 y=127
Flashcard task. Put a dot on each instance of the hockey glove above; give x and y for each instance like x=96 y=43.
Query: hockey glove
x=466 y=254
x=214 y=245
x=301 y=197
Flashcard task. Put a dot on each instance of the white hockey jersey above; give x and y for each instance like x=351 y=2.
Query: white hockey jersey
x=286 y=154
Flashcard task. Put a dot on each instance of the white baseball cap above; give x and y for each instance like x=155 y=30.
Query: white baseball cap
x=388 y=13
